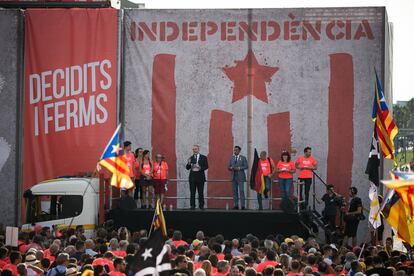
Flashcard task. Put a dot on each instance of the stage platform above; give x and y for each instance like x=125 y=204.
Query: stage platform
x=230 y=223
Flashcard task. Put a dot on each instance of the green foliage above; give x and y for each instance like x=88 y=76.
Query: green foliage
x=404 y=115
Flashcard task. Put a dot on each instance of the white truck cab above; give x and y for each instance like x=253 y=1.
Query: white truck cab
x=63 y=203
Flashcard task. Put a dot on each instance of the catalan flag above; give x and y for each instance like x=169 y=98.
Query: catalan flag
x=159 y=220
x=256 y=177
x=114 y=160
x=384 y=123
x=405 y=191
x=399 y=210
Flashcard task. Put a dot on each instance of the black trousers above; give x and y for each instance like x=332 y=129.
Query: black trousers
x=199 y=186
x=308 y=183
x=138 y=190
x=330 y=220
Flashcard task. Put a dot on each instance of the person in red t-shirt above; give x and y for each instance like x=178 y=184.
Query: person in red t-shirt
x=222 y=268
x=3 y=255
x=130 y=158
x=306 y=164
x=177 y=239
x=268 y=169
x=160 y=176
x=285 y=169
x=119 y=267
x=15 y=259
x=269 y=260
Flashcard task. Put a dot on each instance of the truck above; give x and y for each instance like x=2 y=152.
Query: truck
x=64 y=202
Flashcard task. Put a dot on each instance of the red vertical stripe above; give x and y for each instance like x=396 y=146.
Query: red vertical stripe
x=341 y=122
x=220 y=151
x=279 y=138
x=164 y=114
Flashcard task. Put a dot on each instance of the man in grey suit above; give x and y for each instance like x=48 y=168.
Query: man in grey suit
x=237 y=166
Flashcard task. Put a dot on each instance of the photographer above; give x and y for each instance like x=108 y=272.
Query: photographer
x=352 y=217
x=332 y=201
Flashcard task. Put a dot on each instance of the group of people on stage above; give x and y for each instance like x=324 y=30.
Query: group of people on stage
x=283 y=170
x=151 y=176
x=151 y=180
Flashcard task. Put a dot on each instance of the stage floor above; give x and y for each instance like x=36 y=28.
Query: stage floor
x=230 y=223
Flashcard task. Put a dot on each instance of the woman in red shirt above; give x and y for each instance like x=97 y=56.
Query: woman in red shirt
x=146 y=182
x=160 y=177
x=285 y=169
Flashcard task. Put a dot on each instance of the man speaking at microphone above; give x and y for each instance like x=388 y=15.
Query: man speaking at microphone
x=197 y=164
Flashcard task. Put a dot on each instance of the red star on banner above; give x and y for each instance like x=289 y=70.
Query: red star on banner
x=259 y=75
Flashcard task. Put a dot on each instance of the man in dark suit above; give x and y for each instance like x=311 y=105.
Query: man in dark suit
x=197 y=164
x=237 y=165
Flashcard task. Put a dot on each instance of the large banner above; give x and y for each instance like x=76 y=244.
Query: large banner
x=70 y=90
x=11 y=32
x=271 y=79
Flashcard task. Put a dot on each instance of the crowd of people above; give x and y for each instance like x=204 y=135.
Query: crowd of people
x=114 y=253
x=151 y=178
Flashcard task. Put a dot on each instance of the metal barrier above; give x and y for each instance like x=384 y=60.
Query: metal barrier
x=296 y=188
x=271 y=198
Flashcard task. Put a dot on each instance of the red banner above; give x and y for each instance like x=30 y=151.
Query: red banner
x=70 y=90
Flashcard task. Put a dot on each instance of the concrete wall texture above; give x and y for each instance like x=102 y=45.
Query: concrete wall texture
x=9 y=106
x=309 y=73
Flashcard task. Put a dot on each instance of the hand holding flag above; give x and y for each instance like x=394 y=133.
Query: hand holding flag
x=153 y=256
x=113 y=159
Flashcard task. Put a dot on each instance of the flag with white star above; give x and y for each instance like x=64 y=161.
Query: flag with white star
x=113 y=159
x=152 y=257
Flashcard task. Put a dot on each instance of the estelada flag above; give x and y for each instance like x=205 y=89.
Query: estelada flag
x=385 y=125
x=256 y=176
x=398 y=210
x=395 y=213
x=114 y=160
x=159 y=220
x=405 y=191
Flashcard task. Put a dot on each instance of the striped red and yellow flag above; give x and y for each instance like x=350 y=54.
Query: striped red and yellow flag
x=114 y=160
x=405 y=190
x=399 y=210
x=159 y=220
x=384 y=123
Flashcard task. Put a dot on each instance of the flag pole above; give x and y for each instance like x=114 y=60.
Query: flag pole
x=362 y=250
x=153 y=218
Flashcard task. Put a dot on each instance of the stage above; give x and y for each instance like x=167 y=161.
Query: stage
x=230 y=223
